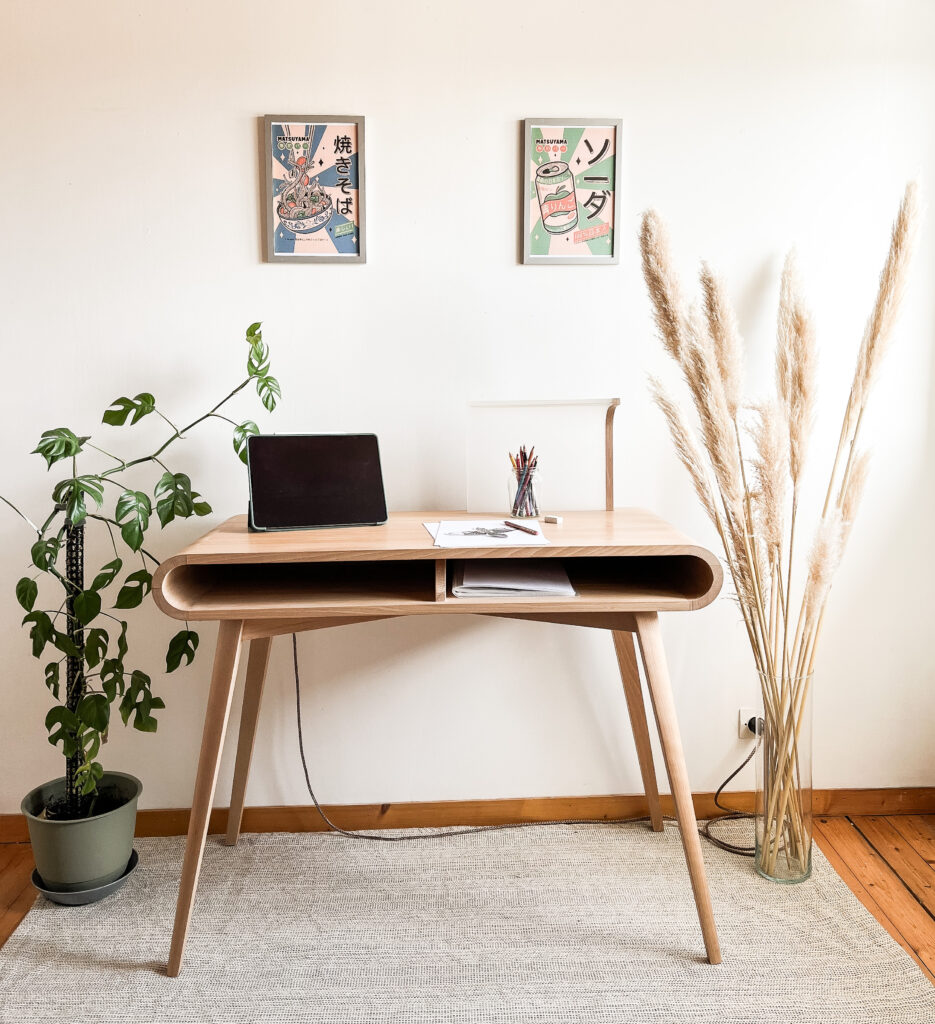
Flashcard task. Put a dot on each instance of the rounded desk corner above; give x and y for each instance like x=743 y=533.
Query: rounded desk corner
x=164 y=590
x=717 y=576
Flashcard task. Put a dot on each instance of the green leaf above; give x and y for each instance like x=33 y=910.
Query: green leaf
x=246 y=429
x=71 y=493
x=143 y=720
x=107 y=575
x=91 y=772
x=138 y=701
x=87 y=606
x=133 y=511
x=120 y=409
x=112 y=680
x=44 y=552
x=182 y=645
x=41 y=633
x=122 y=647
x=65 y=644
x=52 y=671
x=139 y=681
x=136 y=586
x=91 y=743
x=258 y=359
x=27 y=591
x=58 y=444
x=174 y=497
x=95 y=646
x=68 y=725
x=269 y=391
x=200 y=508
x=94 y=711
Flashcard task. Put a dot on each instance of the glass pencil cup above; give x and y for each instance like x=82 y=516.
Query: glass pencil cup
x=524 y=493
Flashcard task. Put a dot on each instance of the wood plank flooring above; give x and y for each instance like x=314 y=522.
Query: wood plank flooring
x=889 y=865
x=16 y=891
x=888 y=862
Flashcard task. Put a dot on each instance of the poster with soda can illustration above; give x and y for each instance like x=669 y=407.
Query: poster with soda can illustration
x=570 y=184
x=314 y=188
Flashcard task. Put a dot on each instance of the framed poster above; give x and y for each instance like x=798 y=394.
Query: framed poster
x=571 y=175
x=314 y=188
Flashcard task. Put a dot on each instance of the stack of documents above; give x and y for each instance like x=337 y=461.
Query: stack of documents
x=512 y=577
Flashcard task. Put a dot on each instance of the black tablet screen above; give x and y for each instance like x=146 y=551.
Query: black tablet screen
x=303 y=480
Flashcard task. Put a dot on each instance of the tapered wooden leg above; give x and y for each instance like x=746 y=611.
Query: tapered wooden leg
x=633 y=691
x=226 y=659
x=257 y=663
x=660 y=690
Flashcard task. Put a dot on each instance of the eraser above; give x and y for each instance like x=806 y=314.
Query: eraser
x=554 y=519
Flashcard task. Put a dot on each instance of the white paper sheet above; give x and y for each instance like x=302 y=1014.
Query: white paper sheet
x=513 y=577
x=456 y=533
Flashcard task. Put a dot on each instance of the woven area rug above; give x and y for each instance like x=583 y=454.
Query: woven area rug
x=558 y=923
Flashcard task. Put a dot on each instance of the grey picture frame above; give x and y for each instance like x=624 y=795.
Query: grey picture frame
x=271 y=256
x=534 y=259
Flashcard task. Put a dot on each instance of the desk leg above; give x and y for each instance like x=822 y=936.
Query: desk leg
x=257 y=663
x=633 y=691
x=223 y=676
x=660 y=690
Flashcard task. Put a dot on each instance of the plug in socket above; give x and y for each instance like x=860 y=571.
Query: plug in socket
x=743 y=717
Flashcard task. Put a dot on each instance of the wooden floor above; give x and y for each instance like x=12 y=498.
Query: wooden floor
x=888 y=863
x=16 y=891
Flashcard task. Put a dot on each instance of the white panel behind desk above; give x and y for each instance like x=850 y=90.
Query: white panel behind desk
x=569 y=437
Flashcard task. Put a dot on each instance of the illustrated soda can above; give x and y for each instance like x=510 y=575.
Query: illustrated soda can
x=555 y=187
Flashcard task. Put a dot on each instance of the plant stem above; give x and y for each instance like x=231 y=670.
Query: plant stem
x=22 y=515
x=178 y=433
x=109 y=455
x=163 y=416
x=107 y=521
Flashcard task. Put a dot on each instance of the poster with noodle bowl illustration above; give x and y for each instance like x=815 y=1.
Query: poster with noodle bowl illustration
x=314 y=191
x=570 y=185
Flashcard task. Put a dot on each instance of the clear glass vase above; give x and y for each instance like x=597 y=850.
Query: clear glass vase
x=784 y=782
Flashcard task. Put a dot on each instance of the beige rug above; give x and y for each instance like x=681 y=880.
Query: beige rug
x=560 y=924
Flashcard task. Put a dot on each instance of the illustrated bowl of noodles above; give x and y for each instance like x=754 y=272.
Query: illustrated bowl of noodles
x=304 y=206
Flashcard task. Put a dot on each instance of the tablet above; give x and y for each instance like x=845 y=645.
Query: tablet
x=305 y=481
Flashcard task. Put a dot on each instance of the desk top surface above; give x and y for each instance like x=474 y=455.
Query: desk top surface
x=620 y=562
x=625 y=531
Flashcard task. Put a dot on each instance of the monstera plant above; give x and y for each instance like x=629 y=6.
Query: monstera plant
x=75 y=619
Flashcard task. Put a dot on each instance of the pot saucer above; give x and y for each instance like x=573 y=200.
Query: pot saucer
x=76 y=899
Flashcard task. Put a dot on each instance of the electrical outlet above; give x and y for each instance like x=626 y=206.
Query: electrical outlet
x=743 y=716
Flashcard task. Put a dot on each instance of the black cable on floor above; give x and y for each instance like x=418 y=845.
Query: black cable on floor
x=447 y=833
x=731 y=813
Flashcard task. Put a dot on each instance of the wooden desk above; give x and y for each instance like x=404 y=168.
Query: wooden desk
x=627 y=565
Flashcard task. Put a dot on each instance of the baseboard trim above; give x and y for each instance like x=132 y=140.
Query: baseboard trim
x=434 y=813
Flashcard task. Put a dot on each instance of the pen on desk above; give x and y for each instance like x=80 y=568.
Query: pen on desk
x=516 y=526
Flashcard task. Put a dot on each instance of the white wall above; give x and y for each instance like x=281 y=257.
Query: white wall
x=131 y=261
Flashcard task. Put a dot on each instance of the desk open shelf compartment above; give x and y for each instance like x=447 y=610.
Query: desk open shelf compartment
x=634 y=581
x=278 y=588
x=270 y=589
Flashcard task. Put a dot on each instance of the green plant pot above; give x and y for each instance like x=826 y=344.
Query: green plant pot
x=86 y=853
